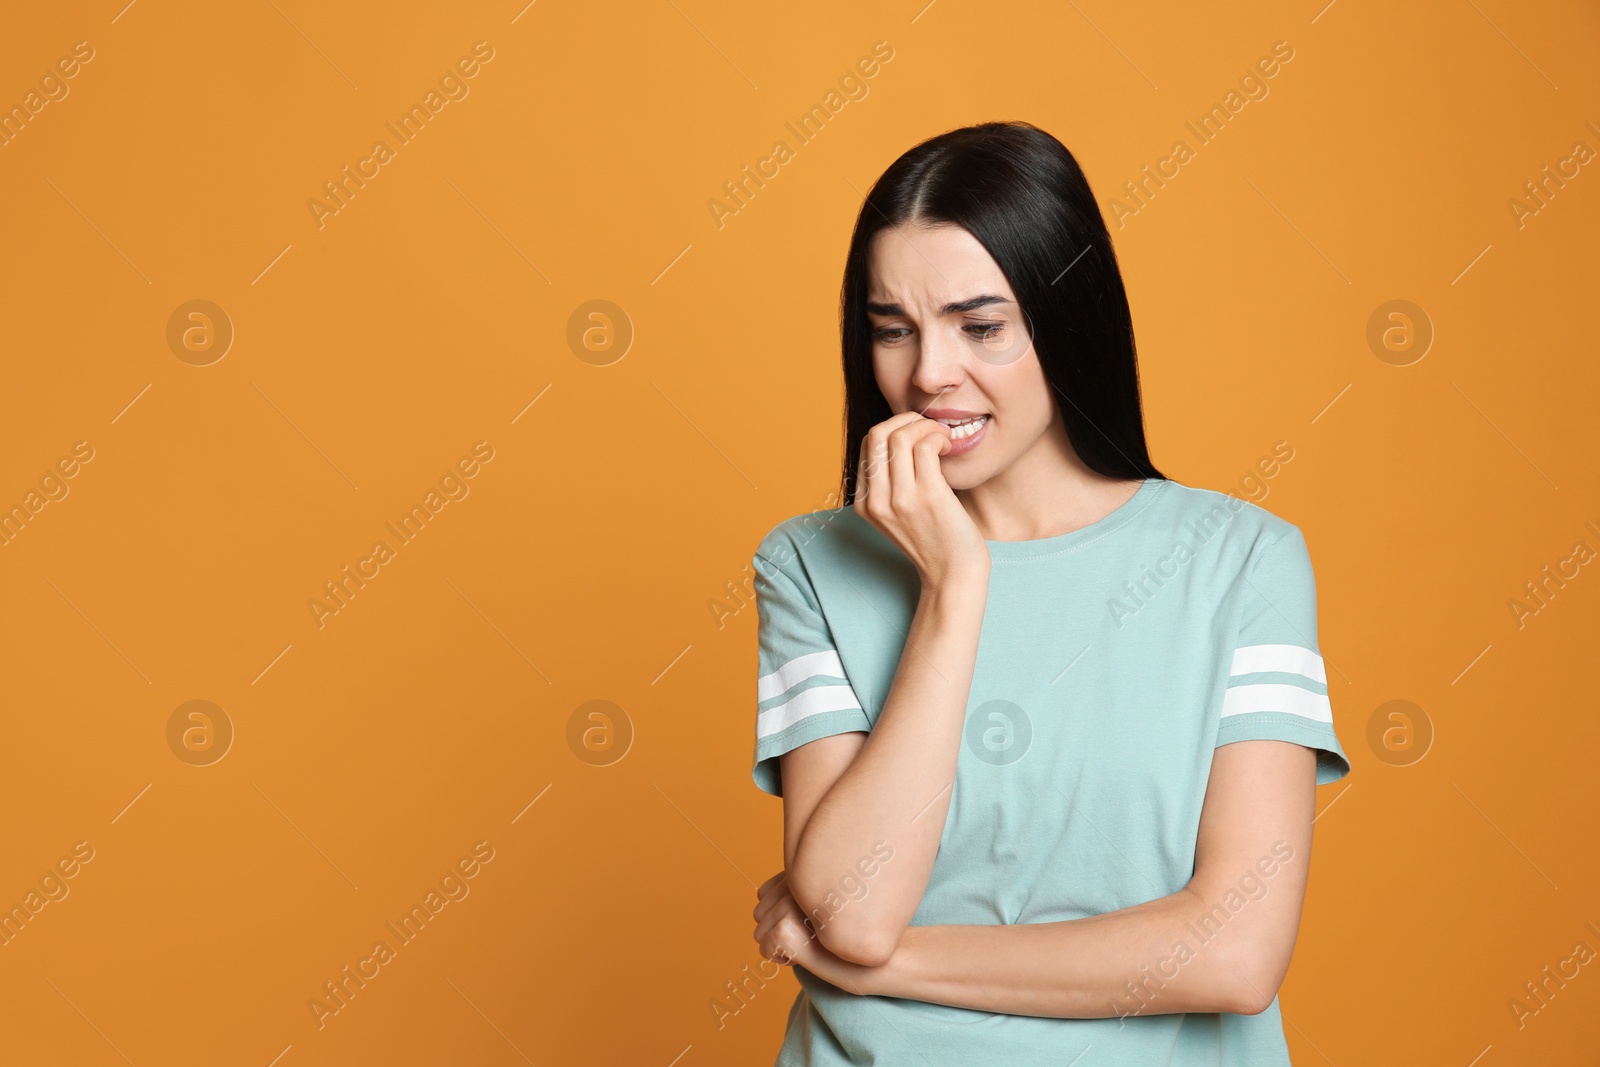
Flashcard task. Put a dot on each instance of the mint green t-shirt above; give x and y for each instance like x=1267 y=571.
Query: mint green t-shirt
x=1112 y=661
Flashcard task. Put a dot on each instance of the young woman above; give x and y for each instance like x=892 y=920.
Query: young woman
x=1046 y=724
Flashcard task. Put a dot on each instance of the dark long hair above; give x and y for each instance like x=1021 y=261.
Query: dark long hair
x=1020 y=193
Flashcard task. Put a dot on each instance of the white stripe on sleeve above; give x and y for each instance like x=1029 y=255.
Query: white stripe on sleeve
x=1279 y=696
x=798 y=670
x=804 y=704
x=1287 y=659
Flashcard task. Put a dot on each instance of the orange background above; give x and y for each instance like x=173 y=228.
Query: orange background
x=598 y=554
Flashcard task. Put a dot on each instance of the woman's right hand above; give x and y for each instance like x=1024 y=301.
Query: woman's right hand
x=900 y=489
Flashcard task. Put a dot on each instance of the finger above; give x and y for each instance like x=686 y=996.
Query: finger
x=903 y=457
x=780 y=944
x=926 y=453
x=770 y=901
x=785 y=915
x=872 y=477
x=872 y=467
x=761 y=890
x=794 y=940
x=767 y=945
x=776 y=953
x=858 y=499
x=765 y=925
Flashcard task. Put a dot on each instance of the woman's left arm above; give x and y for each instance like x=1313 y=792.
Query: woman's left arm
x=1222 y=943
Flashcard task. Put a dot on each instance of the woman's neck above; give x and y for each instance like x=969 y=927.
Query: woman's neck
x=1047 y=491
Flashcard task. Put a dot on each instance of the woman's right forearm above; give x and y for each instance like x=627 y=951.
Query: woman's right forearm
x=893 y=798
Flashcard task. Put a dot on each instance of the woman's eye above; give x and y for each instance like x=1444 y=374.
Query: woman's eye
x=985 y=331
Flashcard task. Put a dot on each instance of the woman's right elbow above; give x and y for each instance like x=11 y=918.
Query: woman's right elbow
x=862 y=942
x=846 y=926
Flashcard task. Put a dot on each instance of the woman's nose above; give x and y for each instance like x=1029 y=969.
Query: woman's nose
x=939 y=365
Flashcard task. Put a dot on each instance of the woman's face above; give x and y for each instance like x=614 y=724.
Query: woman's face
x=950 y=341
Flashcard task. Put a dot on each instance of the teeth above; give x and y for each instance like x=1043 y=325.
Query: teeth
x=959 y=430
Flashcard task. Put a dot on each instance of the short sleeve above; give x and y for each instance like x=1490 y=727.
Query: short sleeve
x=802 y=692
x=1277 y=685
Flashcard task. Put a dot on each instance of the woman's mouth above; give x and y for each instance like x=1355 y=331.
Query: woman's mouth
x=960 y=428
x=964 y=433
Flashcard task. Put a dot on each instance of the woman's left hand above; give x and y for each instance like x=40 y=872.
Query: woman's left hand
x=784 y=933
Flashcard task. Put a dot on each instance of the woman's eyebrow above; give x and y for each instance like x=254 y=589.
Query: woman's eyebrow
x=970 y=304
